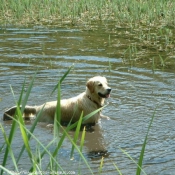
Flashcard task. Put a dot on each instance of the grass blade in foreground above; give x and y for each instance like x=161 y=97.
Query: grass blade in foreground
x=118 y=170
x=62 y=78
x=27 y=93
x=44 y=147
x=101 y=165
x=82 y=139
x=23 y=133
x=92 y=113
x=9 y=147
x=144 y=145
x=76 y=134
x=31 y=131
x=13 y=128
x=81 y=145
x=21 y=121
x=3 y=169
x=139 y=164
x=76 y=147
x=124 y=152
x=57 y=117
x=18 y=112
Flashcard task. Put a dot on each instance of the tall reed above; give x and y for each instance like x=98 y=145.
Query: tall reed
x=128 y=12
x=27 y=134
x=42 y=150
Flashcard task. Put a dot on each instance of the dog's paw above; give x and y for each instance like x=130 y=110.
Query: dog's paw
x=105 y=117
x=108 y=118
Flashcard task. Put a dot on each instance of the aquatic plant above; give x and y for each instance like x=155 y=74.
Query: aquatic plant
x=41 y=149
x=149 y=24
x=127 y=12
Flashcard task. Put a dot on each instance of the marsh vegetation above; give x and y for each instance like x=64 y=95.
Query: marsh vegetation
x=60 y=133
x=147 y=25
x=123 y=12
x=113 y=36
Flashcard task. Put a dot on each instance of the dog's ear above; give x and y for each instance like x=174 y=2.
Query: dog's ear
x=90 y=86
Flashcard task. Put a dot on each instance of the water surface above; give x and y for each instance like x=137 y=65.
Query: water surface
x=137 y=94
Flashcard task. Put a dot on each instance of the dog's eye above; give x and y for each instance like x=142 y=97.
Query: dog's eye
x=100 y=84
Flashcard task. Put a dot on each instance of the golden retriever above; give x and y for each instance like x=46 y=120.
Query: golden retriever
x=93 y=98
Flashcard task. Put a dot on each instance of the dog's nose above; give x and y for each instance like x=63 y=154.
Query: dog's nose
x=109 y=90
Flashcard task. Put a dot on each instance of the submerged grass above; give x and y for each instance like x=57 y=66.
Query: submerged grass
x=42 y=150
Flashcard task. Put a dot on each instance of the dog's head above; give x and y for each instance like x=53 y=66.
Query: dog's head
x=98 y=85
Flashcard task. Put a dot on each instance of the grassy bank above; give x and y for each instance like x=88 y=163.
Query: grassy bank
x=149 y=25
x=124 y=12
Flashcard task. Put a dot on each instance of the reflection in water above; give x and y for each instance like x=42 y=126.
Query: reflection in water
x=136 y=93
x=95 y=143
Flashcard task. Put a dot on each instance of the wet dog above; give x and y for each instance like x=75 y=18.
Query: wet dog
x=97 y=90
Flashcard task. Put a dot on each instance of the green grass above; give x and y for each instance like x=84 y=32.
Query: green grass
x=42 y=150
x=26 y=134
x=131 y=12
x=148 y=25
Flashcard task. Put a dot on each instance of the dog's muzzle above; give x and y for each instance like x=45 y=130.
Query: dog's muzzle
x=107 y=94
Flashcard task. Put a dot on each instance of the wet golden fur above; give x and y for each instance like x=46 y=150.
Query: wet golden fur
x=92 y=99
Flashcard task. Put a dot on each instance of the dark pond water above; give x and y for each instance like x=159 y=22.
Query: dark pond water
x=136 y=93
